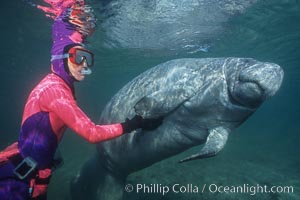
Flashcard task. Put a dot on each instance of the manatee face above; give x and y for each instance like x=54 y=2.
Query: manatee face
x=251 y=82
x=232 y=90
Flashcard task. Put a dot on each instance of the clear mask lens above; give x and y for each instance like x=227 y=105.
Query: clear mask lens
x=83 y=55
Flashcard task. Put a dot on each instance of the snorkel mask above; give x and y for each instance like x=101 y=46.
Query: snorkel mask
x=78 y=56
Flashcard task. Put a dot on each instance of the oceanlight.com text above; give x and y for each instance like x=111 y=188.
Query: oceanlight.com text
x=210 y=188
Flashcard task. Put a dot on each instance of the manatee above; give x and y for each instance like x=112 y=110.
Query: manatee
x=201 y=100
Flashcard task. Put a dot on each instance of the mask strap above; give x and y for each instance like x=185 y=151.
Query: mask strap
x=57 y=57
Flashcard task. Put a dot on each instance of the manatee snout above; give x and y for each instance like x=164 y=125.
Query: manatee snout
x=257 y=83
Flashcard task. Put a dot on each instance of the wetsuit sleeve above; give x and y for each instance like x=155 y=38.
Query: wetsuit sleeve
x=66 y=108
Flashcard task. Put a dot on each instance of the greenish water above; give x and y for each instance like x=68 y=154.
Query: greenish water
x=264 y=150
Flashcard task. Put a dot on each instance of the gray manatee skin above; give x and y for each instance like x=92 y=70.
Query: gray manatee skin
x=201 y=100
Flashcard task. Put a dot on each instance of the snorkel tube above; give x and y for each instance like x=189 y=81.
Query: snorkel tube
x=86 y=71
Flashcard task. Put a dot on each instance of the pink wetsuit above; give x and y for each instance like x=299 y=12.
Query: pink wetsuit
x=51 y=108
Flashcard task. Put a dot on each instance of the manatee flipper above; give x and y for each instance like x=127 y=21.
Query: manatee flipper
x=215 y=142
x=155 y=105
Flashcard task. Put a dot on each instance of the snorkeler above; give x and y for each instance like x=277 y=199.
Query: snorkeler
x=26 y=166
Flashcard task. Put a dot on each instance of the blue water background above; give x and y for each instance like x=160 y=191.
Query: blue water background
x=264 y=150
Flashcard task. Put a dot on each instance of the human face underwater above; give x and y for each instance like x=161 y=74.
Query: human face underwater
x=79 y=62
